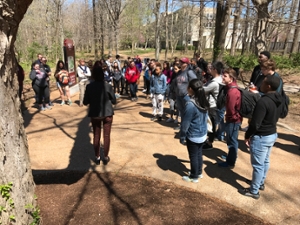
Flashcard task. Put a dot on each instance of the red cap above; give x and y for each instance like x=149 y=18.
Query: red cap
x=185 y=60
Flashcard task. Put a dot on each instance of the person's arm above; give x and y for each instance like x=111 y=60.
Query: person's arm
x=210 y=87
x=186 y=121
x=88 y=74
x=191 y=75
x=164 y=84
x=112 y=96
x=257 y=118
x=80 y=72
x=32 y=75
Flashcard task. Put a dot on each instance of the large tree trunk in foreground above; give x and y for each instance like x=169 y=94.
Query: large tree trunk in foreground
x=14 y=164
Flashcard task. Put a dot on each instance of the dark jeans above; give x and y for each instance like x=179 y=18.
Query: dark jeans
x=147 y=84
x=96 y=123
x=42 y=92
x=213 y=117
x=195 y=155
x=232 y=133
x=117 y=85
x=133 y=90
x=220 y=133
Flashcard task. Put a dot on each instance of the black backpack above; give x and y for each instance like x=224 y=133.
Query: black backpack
x=284 y=106
x=248 y=102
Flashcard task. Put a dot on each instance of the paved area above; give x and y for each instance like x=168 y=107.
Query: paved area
x=60 y=140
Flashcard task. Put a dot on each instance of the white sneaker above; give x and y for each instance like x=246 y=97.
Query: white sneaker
x=188 y=179
x=199 y=176
x=144 y=90
x=170 y=120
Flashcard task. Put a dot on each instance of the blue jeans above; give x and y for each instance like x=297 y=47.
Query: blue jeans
x=133 y=90
x=180 y=104
x=195 y=155
x=232 y=133
x=220 y=133
x=260 y=148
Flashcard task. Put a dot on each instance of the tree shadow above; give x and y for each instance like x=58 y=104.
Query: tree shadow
x=171 y=163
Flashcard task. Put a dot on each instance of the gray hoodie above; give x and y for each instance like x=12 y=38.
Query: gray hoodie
x=211 y=89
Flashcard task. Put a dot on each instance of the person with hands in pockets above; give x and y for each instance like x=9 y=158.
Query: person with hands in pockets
x=84 y=74
x=193 y=129
x=158 y=86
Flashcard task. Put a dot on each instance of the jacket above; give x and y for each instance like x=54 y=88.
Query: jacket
x=39 y=77
x=132 y=75
x=265 y=116
x=99 y=96
x=83 y=73
x=182 y=81
x=233 y=104
x=211 y=89
x=194 y=120
x=158 y=84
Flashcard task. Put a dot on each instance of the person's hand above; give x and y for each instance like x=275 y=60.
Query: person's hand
x=247 y=142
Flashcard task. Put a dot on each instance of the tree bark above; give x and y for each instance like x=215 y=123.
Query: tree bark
x=95 y=30
x=222 y=20
x=157 y=28
x=167 y=30
x=200 y=48
x=261 y=24
x=295 y=45
x=237 y=15
x=246 y=28
x=15 y=163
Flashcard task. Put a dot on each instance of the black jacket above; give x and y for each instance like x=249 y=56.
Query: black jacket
x=265 y=116
x=100 y=96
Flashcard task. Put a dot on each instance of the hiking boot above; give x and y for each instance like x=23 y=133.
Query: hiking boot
x=207 y=146
x=261 y=187
x=248 y=193
x=188 y=179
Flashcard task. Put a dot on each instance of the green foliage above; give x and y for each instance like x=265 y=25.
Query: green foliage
x=5 y=190
x=34 y=49
x=35 y=213
x=247 y=62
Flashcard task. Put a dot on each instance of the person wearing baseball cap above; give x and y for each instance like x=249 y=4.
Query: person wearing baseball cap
x=182 y=83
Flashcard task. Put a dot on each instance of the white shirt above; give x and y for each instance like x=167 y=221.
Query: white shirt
x=83 y=73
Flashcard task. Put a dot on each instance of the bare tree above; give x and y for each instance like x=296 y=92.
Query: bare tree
x=290 y=27
x=167 y=30
x=201 y=28
x=15 y=163
x=236 y=24
x=295 y=45
x=156 y=12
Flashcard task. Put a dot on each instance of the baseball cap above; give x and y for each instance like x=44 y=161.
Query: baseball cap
x=185 y=60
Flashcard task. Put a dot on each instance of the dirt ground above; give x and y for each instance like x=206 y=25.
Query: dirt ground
x=142 y=183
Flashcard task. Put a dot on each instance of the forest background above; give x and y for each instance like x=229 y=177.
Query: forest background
x=129 y=27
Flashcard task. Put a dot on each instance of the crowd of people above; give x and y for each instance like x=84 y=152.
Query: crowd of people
x=192 y=88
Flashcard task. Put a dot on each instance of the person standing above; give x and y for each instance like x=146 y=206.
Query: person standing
x=211 y=89
x=38 y=61
x=182 y=81
x=158 y=86
x=232 y=117
x=84 y=75
x=99 y=96
x=48 y=71
x=193 y=128
x=63 y=88
x=132 y=75
x=262 y=134
x=257 y=76
x=117 y=76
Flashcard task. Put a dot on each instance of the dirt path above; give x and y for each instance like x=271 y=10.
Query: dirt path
x=61 y=140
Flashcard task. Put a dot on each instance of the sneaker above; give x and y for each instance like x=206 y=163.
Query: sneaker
x=200 y=176
x=144 y=90
x=224 y=157
x=48 y=107
x=225 y=165
x=42 y=108
x=207 y=146
x=176 y=121
x=188 y=179
x=177 y=128
x=153 y=118
x=62 y=103
x=97 y=161
x=106 y=160
x=248 y=193
x=51 y=104
x=170 y=120
x=70 y=102
x=262 y=187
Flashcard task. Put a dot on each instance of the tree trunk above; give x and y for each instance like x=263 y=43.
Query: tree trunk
x=236 y=22
x=222 y=20
x=157 y=28
x=95 y=30
x=246 y=29
x=201 y=29
x=295 y=45
x=167 y=30
x=290 y=27
x=15 y=163
x=261 y=24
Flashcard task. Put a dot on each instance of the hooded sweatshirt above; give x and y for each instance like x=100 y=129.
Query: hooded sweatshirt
x=265 y=116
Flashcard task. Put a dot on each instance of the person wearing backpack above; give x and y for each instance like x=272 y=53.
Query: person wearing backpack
x=84 y=74
x=262 y=134
x=232 y=117
x=211 y=89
